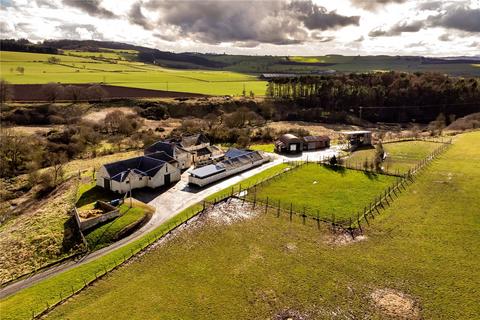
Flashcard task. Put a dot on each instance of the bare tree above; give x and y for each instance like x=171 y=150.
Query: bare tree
x=14 y=152
x=96 y=92
x=53 y=91
x=73 y=93
x=6 y=92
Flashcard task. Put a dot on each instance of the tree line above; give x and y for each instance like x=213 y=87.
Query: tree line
x=382 y=96
x=23 y=45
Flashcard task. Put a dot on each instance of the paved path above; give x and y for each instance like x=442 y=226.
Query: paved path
x=167 y=205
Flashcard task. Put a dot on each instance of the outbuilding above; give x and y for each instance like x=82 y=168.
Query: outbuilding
x=359 y=138
x=316 y=142
x=289 y=143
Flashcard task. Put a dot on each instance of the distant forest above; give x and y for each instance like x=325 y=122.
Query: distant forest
x=23 y=45
x=382 y=96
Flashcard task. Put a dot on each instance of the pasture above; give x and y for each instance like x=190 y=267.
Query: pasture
x=337 y=194
x=418 y=255
x=401 y=156
x=74 y=69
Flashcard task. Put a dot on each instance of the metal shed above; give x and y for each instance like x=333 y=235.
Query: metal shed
x=358 y=138
x=316 y=142
x=288 y=143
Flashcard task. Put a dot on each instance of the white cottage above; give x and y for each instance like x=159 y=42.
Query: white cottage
x=153 y=171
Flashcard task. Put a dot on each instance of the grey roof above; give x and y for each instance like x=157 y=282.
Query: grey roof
x=289 y=138
x=207 y=171
x=316 y=138
x=161 y=155
x=165 y=146
x=356 y=132
x=144 y=166
x=228 y=164
x=234 y=152
x=193 y=140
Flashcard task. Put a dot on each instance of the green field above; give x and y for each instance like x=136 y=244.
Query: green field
x=423 y=246
x=401 y=156
x=72 y=69
x=318 y=189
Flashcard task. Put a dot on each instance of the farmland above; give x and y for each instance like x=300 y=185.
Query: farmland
x=401 y=156
x=309 y=188
x=73 y=69
x=420 y=249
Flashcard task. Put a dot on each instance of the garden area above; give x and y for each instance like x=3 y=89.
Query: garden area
x=327 y=192
x=133 y=214
x=400 y=156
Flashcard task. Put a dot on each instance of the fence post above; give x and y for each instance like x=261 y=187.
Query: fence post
x=278 y=209
x=291 y=211
x=266 y=206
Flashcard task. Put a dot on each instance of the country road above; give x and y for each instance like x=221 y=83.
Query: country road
x=167 y=204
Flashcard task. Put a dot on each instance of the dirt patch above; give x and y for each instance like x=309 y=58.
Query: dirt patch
x=343 y=238
x=290 y=314
x=396 y=304
x=98 y=116
x=231 y=211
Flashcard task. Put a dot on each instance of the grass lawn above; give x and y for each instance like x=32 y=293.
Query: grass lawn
x=320 y=189
x=89 y=193
x=401 y=156
x=423 y=246
x=269 y=147
x=109 y=232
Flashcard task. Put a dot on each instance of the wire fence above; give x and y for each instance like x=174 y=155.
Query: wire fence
x=352 y=225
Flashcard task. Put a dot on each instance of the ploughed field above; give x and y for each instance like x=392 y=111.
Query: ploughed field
x=417 y=260
x=401 y=156
x=329 y=193
x=73 y=69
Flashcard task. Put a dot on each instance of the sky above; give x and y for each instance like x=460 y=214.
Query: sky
x=274 y=27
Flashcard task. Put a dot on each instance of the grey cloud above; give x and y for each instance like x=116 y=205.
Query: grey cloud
x=246 y=23
x=70 y=31
x=136 y=16
x=458 y=17
x=445 y=37
x=416 y=45
x=430 y=5
x=92 y=7
x=46 y=4
x=317 y=17
x=398 y=29
x=373 y=5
